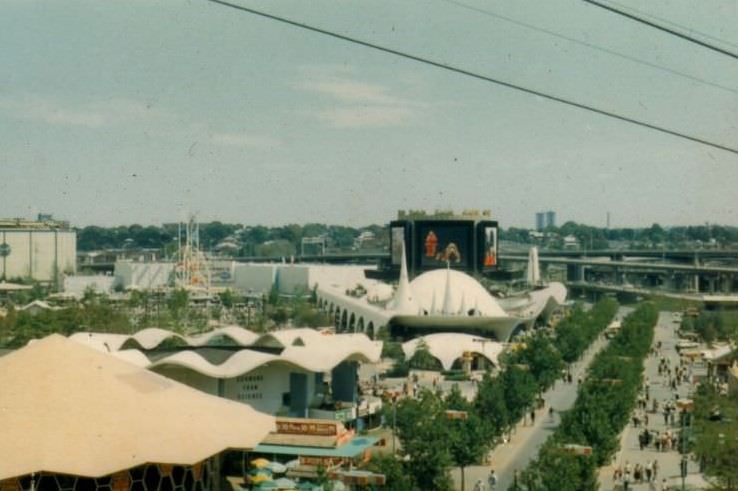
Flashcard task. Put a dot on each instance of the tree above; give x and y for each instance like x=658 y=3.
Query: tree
x=490 y=405
x=399 y=477
x=543 y=359
x=467 y=440
x=423 y=431
x=520 y=390
x=422 y=359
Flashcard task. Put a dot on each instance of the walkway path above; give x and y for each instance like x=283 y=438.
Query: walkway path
x=527 y=438
x=630 y=452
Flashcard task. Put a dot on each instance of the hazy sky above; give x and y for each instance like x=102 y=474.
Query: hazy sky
x=140 y=111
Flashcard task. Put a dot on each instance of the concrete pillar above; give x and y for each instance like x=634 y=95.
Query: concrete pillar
x=343 y=382
x=299 y=397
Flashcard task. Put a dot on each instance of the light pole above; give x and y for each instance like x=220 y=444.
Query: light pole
x=394 y=422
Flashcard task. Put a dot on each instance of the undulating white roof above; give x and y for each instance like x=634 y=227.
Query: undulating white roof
x=320 y=356
x=152 y=337
x=448 y=347
x=287 y=337
x=70 y=409
x=239 y=335
x=237 y=364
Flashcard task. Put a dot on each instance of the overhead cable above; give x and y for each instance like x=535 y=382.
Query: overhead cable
x=591 y=46
x=674 y=24
x=478 y=76
x=662 y=28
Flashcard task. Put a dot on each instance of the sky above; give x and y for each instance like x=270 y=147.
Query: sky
x=145 y=111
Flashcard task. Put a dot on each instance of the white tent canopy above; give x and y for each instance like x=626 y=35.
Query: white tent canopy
x=68 y=409
x=448 y=347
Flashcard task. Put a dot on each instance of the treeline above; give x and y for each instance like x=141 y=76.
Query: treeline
x=245 y=239
x=714 y=429
x=603 y=406
x=598 y=238
x=713 y=326
x=249 y=238
x=434 y=443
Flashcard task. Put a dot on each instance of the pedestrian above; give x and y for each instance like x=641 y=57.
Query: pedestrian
x=626 y=480
x=655 y=469
x=649 y=471
x=492 y=480
x=479 y=486
x=532 y=417
x=551 y=413
x=664 y=485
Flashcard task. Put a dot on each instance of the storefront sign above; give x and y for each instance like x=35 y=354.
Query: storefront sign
x=307 y=428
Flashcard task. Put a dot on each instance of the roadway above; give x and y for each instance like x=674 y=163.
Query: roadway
x=630 y=451
x=527 y=438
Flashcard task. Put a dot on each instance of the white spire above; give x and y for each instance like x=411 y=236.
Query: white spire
x=446 y=309
x=404 y=301
x=462 y=309
x=534 y=271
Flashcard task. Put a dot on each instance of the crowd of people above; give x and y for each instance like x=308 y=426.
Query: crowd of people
x=674 y=377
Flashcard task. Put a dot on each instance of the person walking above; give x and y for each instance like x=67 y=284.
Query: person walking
x=479 y=486
x=492 y=480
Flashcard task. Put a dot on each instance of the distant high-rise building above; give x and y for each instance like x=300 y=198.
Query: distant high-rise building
x=545 y=219
x=540 y=220
x=550 y=218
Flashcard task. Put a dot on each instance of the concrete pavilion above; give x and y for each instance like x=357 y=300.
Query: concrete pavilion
x=75 y=418
x=298 y=372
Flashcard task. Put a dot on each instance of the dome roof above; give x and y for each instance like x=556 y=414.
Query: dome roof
x=447 y=291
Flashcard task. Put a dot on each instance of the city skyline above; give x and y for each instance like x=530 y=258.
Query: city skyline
x=145 y=112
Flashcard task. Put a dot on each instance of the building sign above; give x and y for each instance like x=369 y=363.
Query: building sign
x=328 y=462
x=307 y=428
x=344 y=414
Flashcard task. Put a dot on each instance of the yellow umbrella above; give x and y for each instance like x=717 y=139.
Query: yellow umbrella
x=259 y=463
x=257 y=478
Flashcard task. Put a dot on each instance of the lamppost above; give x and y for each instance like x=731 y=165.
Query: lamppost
x=394 y=421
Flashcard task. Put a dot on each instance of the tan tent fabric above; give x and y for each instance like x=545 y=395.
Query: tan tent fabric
x=68 y=408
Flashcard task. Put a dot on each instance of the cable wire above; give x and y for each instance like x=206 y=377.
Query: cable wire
x=478 y=76
x=591 y=46
x=662 y=28
x=673 y=24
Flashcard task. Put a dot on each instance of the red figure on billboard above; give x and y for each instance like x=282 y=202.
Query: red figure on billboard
x=431 y=244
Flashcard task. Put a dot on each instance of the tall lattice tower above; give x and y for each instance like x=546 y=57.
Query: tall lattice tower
x=193 y=270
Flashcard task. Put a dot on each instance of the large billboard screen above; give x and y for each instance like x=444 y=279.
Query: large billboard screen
x=489 y=255
x=397 y=239
x=441 y=243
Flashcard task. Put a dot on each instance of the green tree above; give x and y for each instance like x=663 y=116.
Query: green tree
x=490 y=405
x=467 y=440
x=397 y=473
x=520 y=390
x=423 y=432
